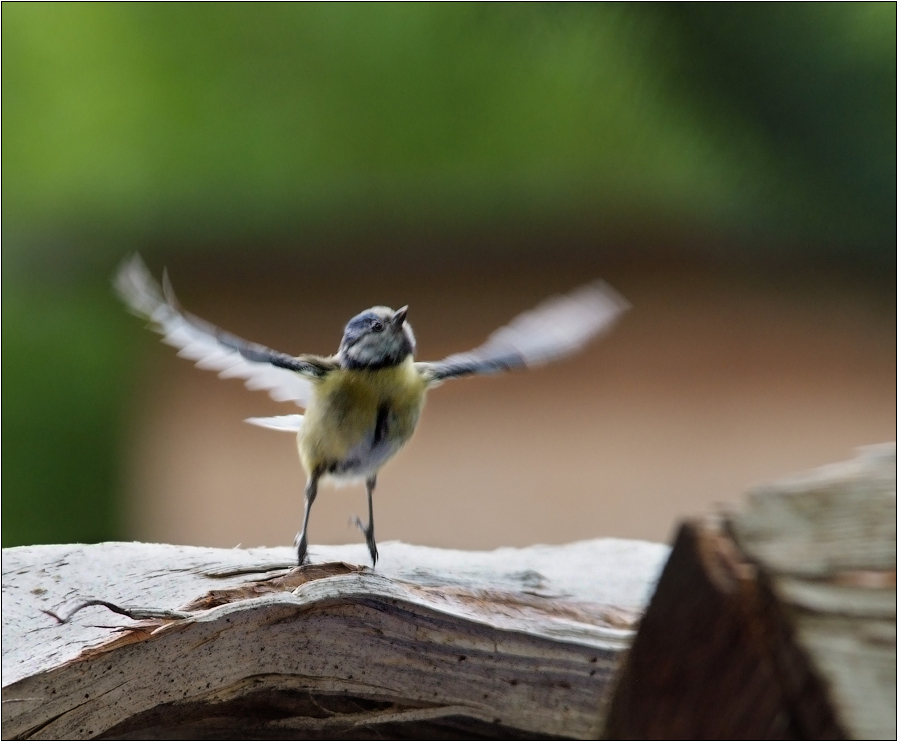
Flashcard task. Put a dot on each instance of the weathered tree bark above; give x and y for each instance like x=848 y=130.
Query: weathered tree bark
x=777 y=622
x=230 y=644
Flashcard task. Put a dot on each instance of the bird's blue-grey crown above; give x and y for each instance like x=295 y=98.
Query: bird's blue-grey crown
x=377 y=338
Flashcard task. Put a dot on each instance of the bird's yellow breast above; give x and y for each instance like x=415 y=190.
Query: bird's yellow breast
x=358 y=419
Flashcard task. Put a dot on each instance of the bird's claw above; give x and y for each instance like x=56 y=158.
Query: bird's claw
x=302 y=547
x=369 y=538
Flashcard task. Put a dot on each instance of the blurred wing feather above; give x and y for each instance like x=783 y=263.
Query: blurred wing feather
x=556 y=328
x=284 y=377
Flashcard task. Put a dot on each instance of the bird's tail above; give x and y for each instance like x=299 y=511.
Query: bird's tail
x=286 y=423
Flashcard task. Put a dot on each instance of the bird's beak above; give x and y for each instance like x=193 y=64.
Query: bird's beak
x=399 y=317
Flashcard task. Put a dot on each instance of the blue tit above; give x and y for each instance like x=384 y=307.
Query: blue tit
x=363 y=403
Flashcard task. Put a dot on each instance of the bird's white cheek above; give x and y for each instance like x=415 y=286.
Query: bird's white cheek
x=365 y=352
x=374 y=349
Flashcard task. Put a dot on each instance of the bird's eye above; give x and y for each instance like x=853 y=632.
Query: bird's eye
x=377 y=326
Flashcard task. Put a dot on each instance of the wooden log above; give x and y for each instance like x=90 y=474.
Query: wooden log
x=230 y=644
x=776 y=622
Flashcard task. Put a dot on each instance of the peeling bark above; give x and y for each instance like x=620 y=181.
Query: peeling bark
x=516 y=643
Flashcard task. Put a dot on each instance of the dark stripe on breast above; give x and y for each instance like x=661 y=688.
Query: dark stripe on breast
x=382 y=423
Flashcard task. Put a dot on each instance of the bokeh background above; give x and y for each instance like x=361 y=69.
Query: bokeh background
x=730 y=168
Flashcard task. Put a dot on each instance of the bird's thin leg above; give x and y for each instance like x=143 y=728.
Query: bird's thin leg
x=302 y=543
x=368 y=530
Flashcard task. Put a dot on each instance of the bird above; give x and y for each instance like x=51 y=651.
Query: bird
x=362 y=404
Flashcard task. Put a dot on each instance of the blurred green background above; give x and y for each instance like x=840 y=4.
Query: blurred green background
x=429 y=133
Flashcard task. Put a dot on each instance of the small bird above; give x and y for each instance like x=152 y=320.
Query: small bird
x=363 y=403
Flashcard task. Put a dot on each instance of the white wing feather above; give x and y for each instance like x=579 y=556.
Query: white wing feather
x=554 y=329
x=559 y=326
x=140 y=291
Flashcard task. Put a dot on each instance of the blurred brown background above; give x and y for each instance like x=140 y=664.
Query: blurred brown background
x=711 y=384
x=729 y=168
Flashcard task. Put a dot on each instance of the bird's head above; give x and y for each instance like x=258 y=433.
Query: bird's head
x=377 y=338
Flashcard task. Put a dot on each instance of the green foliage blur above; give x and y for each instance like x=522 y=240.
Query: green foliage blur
x=299 y=127
x=66 y=372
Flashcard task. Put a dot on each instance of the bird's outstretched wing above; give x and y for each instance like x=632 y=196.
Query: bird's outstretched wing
x=558 y=327
x=284 y=377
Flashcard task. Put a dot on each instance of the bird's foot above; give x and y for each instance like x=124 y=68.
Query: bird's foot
x=369 y=538
x=302 y=548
